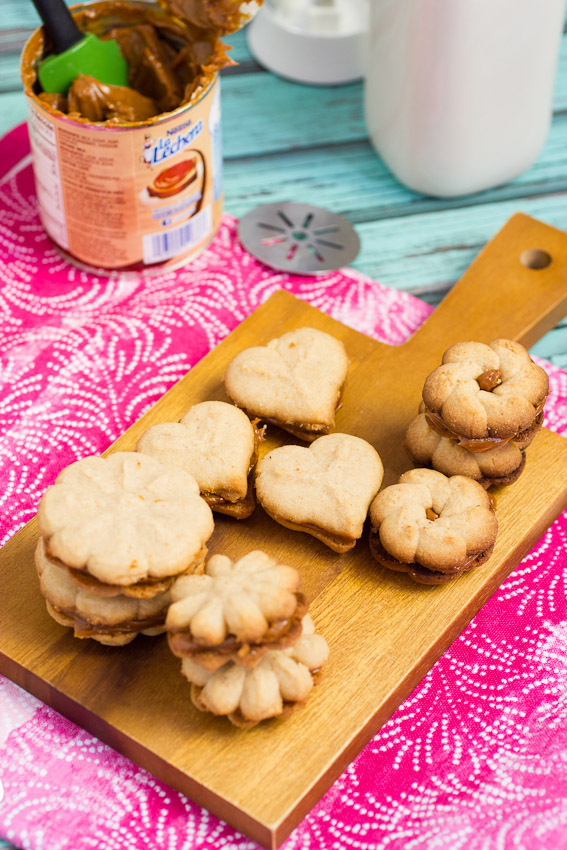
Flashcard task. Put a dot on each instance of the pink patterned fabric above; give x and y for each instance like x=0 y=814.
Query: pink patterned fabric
x=476 y=758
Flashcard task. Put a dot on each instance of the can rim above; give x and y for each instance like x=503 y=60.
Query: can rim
x=104 y=125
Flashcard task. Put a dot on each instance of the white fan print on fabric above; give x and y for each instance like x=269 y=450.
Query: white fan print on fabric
x=476 y=757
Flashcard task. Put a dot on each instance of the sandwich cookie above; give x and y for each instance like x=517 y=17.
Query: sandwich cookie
x=293 y=382
x=324 y=490
x=276 y=686
x=236 y=611
x=432 y=527
x=485 y=395
x=498 y=466
x=121 y=527
x=217 y=444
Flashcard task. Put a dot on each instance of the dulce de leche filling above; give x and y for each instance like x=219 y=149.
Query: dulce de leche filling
x=383 y=557
x=84 y=628
x=145 y=588
x=477 y=444
x=183 y=644
x=171 y=61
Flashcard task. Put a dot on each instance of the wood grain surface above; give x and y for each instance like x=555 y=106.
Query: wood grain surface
x=384 y=631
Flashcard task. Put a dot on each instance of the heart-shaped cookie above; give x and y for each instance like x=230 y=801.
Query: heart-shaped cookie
x=324 y=490
x=294 y=381
x=217 y=444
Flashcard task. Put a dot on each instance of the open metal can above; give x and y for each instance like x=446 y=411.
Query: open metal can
x=144 y=196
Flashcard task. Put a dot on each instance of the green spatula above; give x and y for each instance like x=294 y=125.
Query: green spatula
x=76 y=52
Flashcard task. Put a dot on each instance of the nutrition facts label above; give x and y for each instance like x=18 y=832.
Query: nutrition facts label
x=48 y=176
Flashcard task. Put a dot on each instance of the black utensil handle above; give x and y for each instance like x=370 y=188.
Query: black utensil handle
x=59 y=24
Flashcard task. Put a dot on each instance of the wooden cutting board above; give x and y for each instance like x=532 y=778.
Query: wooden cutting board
x=384 y=631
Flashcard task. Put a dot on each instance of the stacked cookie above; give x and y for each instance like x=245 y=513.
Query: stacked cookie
x=324 y=490
x=247 y=647
x=432 y=527
x=294 y=381
x=481 y=409
x=115 y=534
x=217 y=444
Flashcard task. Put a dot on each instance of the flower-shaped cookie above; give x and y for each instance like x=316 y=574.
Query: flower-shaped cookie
x=281 y=680
x=294 y=381
x=237 y=610
x=113 y=621
x=499 y=466
x=432 y=527
x=324 y=490
x=216 y=443
x=485 y=391
x=125 y=518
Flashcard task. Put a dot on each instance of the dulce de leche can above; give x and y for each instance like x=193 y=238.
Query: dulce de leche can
x=140 y=195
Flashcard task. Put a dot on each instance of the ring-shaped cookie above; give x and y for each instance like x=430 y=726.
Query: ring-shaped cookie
x=431 y=526
x=485 y=392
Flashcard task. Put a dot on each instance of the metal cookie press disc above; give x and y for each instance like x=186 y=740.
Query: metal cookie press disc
x=298 y=238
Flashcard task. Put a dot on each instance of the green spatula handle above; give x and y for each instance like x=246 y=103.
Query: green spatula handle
x=59 y=23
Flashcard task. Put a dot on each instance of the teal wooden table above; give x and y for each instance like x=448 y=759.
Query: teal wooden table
x=284 y=141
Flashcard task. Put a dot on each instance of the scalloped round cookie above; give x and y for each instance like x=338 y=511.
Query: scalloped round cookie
x=484 y=391
x=281 y=681
x=429 y=523
x=124 y=518
x=236 y=610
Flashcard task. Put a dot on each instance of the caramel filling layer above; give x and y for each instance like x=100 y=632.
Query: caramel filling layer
x=339 y=539
x=299 y=429
x=477 y=444
x=143 y=589
x=303 y=430
x=84 y=628
x=183 y=643
x=383 y=557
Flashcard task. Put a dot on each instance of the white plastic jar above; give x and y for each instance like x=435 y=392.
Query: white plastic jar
x=458 y=93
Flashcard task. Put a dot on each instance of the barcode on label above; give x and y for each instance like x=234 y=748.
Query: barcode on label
x=162 y=246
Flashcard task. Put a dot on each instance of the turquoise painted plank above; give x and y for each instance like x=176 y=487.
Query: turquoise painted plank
x=12 y=110
x=268 y=115
x=18 y=13
x=553 y=346
x=431 y=250
x=353 y=180
x=560 y=91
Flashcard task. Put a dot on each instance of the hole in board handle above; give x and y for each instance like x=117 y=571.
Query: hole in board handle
x=535 y=258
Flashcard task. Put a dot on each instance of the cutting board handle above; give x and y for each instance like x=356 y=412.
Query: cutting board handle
x=516 y=288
